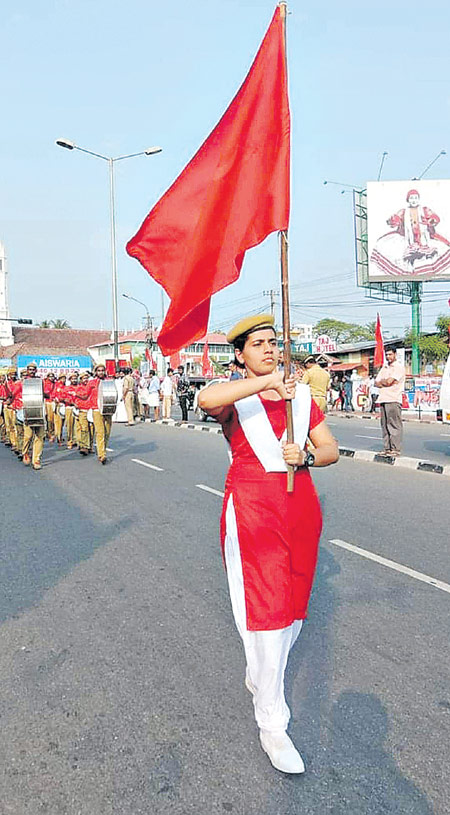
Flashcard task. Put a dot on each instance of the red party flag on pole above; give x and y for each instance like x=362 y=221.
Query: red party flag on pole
x=230 y=197
x=378 y=358
x=207 y=370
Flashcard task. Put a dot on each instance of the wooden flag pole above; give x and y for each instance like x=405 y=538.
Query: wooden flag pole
x=285 y=308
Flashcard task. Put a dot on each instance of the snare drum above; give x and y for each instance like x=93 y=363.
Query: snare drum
x=33 y=402
x=107 y=397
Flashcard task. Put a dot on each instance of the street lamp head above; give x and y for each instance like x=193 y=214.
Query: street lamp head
x=152 y=150
x=69 y=145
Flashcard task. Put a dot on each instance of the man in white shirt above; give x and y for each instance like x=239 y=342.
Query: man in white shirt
x=390 y=382
x=167 y=391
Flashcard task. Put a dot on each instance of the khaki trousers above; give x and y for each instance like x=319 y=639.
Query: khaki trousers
x=10 y=423
x=167 y=406
x=35 y=435
x=59 y=424
x=50 y=416
x=19 y=436
x=129 y=406
x=85 y=431
x=70 y=427
x=102 y=426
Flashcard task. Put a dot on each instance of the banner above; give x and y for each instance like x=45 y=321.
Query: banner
x=55 y=364
x=408 y=230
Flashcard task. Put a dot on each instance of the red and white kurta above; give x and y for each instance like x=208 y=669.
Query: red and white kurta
x=278 y=532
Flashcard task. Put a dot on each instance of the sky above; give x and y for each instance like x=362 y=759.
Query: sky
x=118 y=77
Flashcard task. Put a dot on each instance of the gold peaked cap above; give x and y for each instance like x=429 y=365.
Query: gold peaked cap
x=253 y=323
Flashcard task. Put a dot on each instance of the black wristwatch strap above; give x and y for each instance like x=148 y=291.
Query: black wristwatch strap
x=309 y=460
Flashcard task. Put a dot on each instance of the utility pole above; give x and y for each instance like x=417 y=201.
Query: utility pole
x=272 y=293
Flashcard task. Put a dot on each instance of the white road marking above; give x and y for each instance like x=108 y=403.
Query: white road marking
x=109 y=450
x=445 y=434
x=367 y=437
x=210 y=489
x=150 y=466
x=438 y=584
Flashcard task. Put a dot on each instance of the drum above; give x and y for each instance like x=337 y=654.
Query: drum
x=33 y=402
x=107 y=397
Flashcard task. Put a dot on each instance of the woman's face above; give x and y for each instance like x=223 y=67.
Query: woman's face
x=260 y=354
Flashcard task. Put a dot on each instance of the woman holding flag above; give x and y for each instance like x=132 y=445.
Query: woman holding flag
x=269 y=536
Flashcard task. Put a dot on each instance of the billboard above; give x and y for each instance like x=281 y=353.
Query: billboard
x=408 y=230
x=55 y=364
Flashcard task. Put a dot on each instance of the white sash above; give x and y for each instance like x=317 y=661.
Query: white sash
x=259 y=433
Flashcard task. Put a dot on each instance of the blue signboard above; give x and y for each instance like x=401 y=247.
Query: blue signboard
x=55 y=363
x=304 y=348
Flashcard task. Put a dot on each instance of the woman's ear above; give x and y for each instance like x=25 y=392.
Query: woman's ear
x=239 y=356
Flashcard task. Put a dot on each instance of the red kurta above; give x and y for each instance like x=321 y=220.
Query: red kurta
x=278 y=531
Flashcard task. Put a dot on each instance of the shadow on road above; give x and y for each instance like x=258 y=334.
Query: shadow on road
x=39 y=547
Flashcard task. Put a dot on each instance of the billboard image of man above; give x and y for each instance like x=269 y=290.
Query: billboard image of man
x=413 y=248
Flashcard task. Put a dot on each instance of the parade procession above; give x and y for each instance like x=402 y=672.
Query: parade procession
x=33 y=410
x=224 y=408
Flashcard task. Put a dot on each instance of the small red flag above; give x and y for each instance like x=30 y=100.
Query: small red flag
x=231 y=195
x=207 y=369
x=378 y=358
x=148 y=355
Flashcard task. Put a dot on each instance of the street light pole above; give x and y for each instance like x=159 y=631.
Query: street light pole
x=149 y=319
x=69 y=145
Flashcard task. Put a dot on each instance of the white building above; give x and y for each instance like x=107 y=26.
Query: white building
x=302 y=332
x=6 y=335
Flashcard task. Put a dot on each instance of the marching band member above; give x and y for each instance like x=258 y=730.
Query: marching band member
x=33 y=437
x=82 y=403
x=269 y=536
x=10 y=423
x=60 y=407
x=71 y=418
x=102 y=424
x=3 y=397
x=49 y=387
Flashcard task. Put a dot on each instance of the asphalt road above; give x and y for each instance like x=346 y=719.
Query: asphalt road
x=425 y=441
x=121 y=672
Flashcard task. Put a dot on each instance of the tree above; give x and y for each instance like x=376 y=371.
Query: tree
x=45 y=324
x=433 y=347
x=344 y=332
x=60 y=324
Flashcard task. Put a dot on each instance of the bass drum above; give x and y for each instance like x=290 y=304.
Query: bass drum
x=107 y=397
x=33 y=402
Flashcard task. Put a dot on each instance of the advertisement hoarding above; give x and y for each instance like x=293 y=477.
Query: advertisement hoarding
x=55 y=364
x=408 y=230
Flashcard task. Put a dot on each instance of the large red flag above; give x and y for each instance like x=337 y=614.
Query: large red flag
x=207 y=369
x=231 y=195
x=378 y=358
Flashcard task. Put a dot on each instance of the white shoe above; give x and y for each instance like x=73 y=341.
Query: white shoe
x=281 y=751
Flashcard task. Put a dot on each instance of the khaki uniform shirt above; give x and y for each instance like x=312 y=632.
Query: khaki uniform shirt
x=318 y=380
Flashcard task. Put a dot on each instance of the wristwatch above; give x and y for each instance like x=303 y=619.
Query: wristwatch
x=309 y=460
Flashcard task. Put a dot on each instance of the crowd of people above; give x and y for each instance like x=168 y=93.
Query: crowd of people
x=71 y=412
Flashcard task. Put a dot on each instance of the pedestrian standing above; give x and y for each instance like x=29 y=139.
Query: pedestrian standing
x=318 y=380
x=390 y=382
x=373 y=394
x=348 y=393
x=167 y=392
x=235 y=372
x=153 y=394
x=128 y=395
x=183 y=386
x=269 y=536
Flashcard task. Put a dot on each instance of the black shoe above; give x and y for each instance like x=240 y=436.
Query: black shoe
x=104 y=460
x=83 y=452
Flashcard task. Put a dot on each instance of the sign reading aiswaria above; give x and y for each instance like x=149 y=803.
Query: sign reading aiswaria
x=408 y=230
x=55 y=364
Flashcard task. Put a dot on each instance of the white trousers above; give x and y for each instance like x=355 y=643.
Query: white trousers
x=266 y=652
